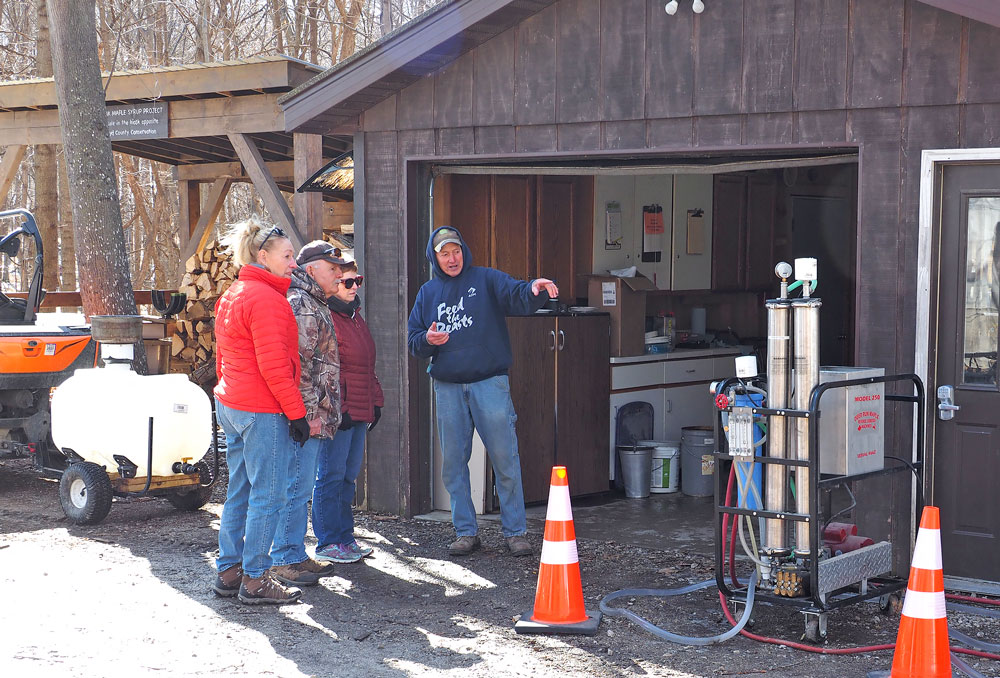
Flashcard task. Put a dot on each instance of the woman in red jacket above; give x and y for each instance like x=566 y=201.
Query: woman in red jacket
x=361 y=406
x=259 y=407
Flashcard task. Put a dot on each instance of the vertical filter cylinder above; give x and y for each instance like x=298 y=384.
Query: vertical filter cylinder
x=778 y=378
x=806 y=356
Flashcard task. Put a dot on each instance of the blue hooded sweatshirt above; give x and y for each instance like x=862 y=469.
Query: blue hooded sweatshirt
x=472 y=307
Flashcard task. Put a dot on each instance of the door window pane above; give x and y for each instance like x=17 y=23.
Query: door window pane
x=982 y=291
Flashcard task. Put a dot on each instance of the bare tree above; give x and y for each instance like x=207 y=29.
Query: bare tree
x=46 y=185
x=105 y=285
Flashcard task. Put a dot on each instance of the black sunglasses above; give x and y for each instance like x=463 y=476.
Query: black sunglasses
x=351 y=282
x=274 y=231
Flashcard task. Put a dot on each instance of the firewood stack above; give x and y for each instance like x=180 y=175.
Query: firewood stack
x=207 y=276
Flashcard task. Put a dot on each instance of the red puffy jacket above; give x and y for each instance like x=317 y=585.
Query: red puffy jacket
x=360 y=391
x=257 y=346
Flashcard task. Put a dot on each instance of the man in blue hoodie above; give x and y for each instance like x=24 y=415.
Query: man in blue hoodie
x=459 y=321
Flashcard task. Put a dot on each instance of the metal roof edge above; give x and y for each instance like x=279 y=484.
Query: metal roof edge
x=390 y=53
x=984 y=11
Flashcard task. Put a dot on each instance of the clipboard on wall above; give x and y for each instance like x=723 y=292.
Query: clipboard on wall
x=695 y=231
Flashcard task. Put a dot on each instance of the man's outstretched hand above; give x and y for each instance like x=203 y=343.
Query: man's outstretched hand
x=544 y=284
x=435 y=338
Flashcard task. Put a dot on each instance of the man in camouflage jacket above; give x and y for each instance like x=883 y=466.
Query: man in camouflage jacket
x=314 y=280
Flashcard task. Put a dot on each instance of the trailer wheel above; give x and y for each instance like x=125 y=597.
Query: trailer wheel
x=192 y=499
x=85 y=493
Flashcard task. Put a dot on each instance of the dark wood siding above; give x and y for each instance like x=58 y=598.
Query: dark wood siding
x=891 y=78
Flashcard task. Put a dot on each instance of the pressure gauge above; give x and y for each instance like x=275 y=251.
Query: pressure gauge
x=783 y=270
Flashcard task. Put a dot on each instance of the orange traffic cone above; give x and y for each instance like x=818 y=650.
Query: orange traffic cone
x=922 y=644
x=559 y=594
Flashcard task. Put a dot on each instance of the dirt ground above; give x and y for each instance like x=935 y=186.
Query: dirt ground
x=131 y=597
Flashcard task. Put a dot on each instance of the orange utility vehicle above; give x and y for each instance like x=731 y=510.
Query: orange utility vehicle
x=34 y=357
x=40 y=353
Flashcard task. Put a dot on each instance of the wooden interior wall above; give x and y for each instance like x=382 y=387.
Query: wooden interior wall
x=891 y=78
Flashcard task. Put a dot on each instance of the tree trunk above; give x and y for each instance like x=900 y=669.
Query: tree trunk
x=67 y=238
x=386 y=17
x=105 y=285
x=46 y=188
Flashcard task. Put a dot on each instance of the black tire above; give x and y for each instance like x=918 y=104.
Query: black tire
x=85 y=493
x=192 y=499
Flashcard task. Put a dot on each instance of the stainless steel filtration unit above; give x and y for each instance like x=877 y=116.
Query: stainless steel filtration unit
x=795 y=567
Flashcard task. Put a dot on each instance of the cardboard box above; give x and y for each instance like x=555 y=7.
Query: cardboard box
x=625 y=300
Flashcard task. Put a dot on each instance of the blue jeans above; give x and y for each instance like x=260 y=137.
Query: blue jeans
x=338 y=468
x=289 y=541
x=257 y=450
x=486 y=406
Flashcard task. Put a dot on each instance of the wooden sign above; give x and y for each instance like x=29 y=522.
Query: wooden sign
x=137 y=121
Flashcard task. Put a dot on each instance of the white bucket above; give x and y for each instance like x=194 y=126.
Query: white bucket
x=665 y=468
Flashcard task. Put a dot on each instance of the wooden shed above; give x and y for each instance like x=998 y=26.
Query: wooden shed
x=218 y=123
x=862 y=133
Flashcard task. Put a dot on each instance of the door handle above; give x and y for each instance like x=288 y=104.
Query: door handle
x=552 y=336
x=946 y=403
x=562 y=340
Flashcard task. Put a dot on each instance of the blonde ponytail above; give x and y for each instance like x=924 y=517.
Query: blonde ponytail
x=244 y=239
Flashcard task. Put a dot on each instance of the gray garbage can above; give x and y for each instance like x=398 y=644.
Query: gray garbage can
x=637 y=464
x=697 y=461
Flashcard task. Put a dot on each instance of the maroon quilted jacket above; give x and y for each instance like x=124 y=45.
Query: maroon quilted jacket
x=360 y=391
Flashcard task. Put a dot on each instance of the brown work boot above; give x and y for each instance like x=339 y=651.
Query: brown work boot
x=264 y=590
x=463 y=546
x=294 y=575
x=519 y=545
x=317 y=567
x=227 y=582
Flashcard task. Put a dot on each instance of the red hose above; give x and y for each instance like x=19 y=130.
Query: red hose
x=732 y=534
x=972 y=599
x=839 y=650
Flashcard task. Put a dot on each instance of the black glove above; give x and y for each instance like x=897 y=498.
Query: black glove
x=298 y=429
x=345 y=421
x=378 y=415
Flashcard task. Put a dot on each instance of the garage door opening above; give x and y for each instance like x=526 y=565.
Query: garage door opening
x=706 y=237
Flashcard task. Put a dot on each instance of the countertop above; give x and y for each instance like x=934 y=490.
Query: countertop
x=681 y=353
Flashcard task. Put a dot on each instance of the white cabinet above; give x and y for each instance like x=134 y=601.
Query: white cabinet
x=692 y=265
x=675 y=385
x=631 y=194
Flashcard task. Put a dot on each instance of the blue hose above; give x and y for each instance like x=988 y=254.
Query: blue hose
x=673 y=637
x=965 y=668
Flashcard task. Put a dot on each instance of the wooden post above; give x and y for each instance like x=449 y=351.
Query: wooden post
x=188 y=209
x=216 y=199
x=269 y=192
x=308 y=154
x=8 y=168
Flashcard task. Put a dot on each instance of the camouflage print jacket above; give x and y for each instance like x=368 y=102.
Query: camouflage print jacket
x=318 y=352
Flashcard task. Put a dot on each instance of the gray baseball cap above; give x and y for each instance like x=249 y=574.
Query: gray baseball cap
x=445 y=236
x=320 y=249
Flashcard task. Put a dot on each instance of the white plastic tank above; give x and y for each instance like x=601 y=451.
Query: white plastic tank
x=99 y=413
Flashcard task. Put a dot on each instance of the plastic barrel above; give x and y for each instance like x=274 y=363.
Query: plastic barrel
x=636 y=467
x=746 y=478
x=665 y=474
x=697 y=461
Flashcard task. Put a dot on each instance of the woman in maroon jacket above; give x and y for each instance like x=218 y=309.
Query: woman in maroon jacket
x=361 y=407
x=259 y=407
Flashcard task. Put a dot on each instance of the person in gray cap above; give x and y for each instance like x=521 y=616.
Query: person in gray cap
x=316 y=278
x=459 y=321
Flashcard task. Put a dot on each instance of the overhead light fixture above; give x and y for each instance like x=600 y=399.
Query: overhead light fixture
x=697 y=6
